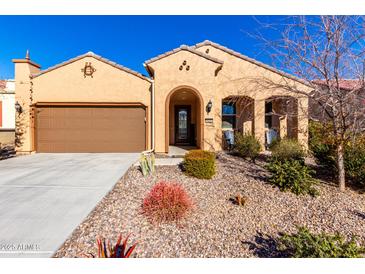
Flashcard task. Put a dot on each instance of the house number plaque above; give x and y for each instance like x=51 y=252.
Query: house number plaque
x=209 y=121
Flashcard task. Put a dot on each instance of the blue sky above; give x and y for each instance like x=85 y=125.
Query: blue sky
x=127 y=40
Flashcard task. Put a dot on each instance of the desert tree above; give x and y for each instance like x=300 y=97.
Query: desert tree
x=328 y=54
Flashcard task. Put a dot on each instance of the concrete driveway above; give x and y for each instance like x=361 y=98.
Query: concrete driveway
x=43 y=197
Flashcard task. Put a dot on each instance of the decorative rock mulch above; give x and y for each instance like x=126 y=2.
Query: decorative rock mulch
x=217 y=227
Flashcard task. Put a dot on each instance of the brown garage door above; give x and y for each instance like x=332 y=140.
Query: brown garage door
x=90 y=129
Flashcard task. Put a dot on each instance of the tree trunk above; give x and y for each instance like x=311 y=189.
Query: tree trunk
x=341 y=167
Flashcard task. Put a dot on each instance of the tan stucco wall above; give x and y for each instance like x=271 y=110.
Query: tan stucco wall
x=207 y=79
x=68 y=84
x=7 y=137
x=109 y=84
x=241 y=77
x=200 y=78
x=237 y=77
x=23 y=95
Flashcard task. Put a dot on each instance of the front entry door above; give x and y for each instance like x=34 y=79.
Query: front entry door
x=182 y=125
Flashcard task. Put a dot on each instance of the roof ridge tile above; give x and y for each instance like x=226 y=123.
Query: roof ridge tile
x=249 y=59
x=187 y=48
x=97 y=57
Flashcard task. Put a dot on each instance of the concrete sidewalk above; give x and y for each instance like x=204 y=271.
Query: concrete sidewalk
x=168 y=161
x=165 y=161
x=43 y=197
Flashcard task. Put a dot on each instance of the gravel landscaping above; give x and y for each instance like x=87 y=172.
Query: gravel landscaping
x=217 y=227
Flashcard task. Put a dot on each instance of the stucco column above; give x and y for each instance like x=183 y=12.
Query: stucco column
x=247 y=127
x=161 y=118
x=283 y=126
x=23 y=95
x=303 y=121
x=217 y=116
x=259 y=121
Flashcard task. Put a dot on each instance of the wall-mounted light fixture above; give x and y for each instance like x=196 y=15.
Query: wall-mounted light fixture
x=209 y=106
x=18 y=107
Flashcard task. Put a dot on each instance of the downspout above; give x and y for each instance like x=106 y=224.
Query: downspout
x=152 y=115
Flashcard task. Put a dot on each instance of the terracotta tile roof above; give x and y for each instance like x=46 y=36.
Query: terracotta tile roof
x=7 y=86
x=98 y=57
x=248 y=59
x=187 y=48
x=344 y=84
x=2 y=84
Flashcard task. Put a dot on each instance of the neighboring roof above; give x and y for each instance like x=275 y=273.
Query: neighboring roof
x=248 y=59
x=186 y=48
x=7 y=86
x=344 y=84
x=2 y=84
x=98 y=57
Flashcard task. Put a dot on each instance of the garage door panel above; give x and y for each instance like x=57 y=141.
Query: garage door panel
x=90 y=129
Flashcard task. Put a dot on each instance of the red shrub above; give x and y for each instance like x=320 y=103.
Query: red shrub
x=166 y=202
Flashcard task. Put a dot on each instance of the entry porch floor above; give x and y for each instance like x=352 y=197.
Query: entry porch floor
x=179 y=151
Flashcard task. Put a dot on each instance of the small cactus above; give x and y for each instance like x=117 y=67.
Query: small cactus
x=147 y=163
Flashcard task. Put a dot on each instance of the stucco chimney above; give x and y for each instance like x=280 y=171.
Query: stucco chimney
x=24 y=68
x=27 y=56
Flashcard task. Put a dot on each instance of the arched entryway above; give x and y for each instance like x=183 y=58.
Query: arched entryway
x=184 y=114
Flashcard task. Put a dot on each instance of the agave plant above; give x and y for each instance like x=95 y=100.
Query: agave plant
x=147 y=163
x=119 y=250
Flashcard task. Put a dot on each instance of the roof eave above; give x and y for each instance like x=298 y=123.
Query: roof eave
x=181 y=48
x=251 y=60
x=149 y=70
x=97 y=57
x=26 y=61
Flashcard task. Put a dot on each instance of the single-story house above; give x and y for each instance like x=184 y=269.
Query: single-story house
x=192 y=94
x=350 y=91
x=7 y=112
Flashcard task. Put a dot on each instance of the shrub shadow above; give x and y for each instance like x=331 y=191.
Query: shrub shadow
x=255 y=170
x=7 y=152
x=356 y=187
x=265 y=246
x=358 y=213
x=323 y=174
x=181 y=167
x=328 y=177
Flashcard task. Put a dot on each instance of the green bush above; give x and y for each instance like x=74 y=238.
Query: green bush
x=292 y=175
x=247 y=146
x=305 y=244
x=322 y=144
x=323 y=148
x=287 y=149
x=355 y=164
x=325 y=155
x=273 y=143
x=199 y=164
